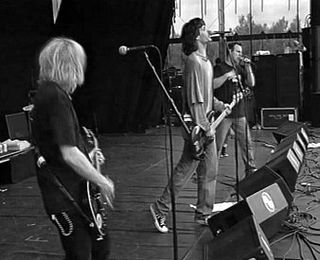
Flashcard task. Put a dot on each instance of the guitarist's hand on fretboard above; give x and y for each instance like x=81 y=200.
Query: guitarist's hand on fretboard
x=211 y=133
x=96 y=155
x=228 y=109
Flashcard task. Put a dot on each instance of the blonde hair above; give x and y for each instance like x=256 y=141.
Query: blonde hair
x=63 y=61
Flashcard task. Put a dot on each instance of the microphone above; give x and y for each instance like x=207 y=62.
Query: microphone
x=123 y=50
x=245 y=60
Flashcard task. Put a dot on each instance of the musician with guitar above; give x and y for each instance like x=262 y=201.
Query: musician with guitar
x=233 y=76
x=67 y=176
x=198 y=87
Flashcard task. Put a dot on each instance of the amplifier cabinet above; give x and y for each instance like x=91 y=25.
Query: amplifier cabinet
x=272 y=117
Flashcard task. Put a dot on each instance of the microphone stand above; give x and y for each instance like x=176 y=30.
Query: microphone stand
x=175 y=237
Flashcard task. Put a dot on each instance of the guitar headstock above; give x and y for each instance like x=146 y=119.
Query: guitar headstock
x=90 y=136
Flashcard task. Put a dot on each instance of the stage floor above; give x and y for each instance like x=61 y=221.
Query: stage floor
x=137 y=163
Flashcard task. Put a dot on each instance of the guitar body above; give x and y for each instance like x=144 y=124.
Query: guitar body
x=98 y=209
x=199 y=140
x=94 y=202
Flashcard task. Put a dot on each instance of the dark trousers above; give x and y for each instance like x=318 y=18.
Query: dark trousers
x=78 y=240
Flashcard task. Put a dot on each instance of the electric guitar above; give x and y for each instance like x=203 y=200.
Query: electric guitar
x=94 y=200
x=199 y=140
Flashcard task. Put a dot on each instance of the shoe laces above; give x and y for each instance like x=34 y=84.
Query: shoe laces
x=161 y=220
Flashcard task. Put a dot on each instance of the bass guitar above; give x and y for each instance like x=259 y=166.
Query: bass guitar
x=199 y=140
x=94 y=200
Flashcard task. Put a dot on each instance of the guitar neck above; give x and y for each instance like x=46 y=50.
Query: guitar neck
x=96 y=160
x=223 y=114
x=97 y=165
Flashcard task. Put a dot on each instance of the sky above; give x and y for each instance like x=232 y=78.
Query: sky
x=271 y=11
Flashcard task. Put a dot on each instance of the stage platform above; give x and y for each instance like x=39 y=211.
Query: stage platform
x=137 y=163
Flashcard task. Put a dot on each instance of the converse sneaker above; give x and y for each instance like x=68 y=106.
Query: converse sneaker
x=158 y=220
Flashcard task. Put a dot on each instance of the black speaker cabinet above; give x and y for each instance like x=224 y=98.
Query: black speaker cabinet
x=261 y=179
x=238 y=236
x=289 y=80
x=269 y=206
x=290 y=127
x=265 y=90
x=295 y=143
x=286 y=163
x=315 y=9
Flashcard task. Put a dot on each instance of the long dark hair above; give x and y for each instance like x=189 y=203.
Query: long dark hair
x=190 y=31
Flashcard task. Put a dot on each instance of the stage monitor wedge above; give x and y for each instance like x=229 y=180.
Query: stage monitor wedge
x=261 y=179
x=285 y=163
x=290 y=127
x=268 y=205
x=243 y=240
x=293 y=142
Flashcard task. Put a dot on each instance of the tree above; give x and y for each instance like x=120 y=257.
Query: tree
x=275 y=46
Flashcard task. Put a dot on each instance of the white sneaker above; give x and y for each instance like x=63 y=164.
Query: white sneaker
x=159 y=221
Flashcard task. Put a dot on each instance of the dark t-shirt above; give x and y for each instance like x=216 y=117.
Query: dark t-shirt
x=228 y=88
x=54 y=124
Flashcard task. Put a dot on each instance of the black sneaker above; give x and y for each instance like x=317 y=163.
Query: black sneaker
x=224 y=152
x=158 y=220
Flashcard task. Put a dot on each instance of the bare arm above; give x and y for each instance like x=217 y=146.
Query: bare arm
x=198 y=113
x=250 y=79
x=218 y=82
x=82 y=166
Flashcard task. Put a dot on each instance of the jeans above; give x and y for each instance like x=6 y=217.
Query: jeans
x=77 y=239
x=242 y=132
x=207 y=171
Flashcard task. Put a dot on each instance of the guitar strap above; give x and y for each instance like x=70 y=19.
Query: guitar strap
x=55 y=181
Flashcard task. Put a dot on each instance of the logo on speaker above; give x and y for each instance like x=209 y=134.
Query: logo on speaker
x=268 y=202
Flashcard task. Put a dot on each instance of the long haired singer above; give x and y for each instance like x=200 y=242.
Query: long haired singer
x=198 y=80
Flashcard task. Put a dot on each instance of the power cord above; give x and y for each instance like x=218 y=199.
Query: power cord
x=298 y=226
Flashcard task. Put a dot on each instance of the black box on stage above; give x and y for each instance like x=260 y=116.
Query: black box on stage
x=18 y=168
x=288 y=128
x=238 y=236
x=286 y=163
x=272 y=117
x=261 y=179
x=269 y=206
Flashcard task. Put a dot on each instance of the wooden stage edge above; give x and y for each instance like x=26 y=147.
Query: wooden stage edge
x=137 y=164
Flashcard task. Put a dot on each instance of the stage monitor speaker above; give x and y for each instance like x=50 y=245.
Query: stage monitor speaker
x=295 y=143
x=285 y=163
x=261 y=179
x=244 y=239
x=268 y=205
x=289 y=128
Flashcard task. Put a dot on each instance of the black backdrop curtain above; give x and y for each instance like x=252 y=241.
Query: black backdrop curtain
x=120 y=93
x=24 y=26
